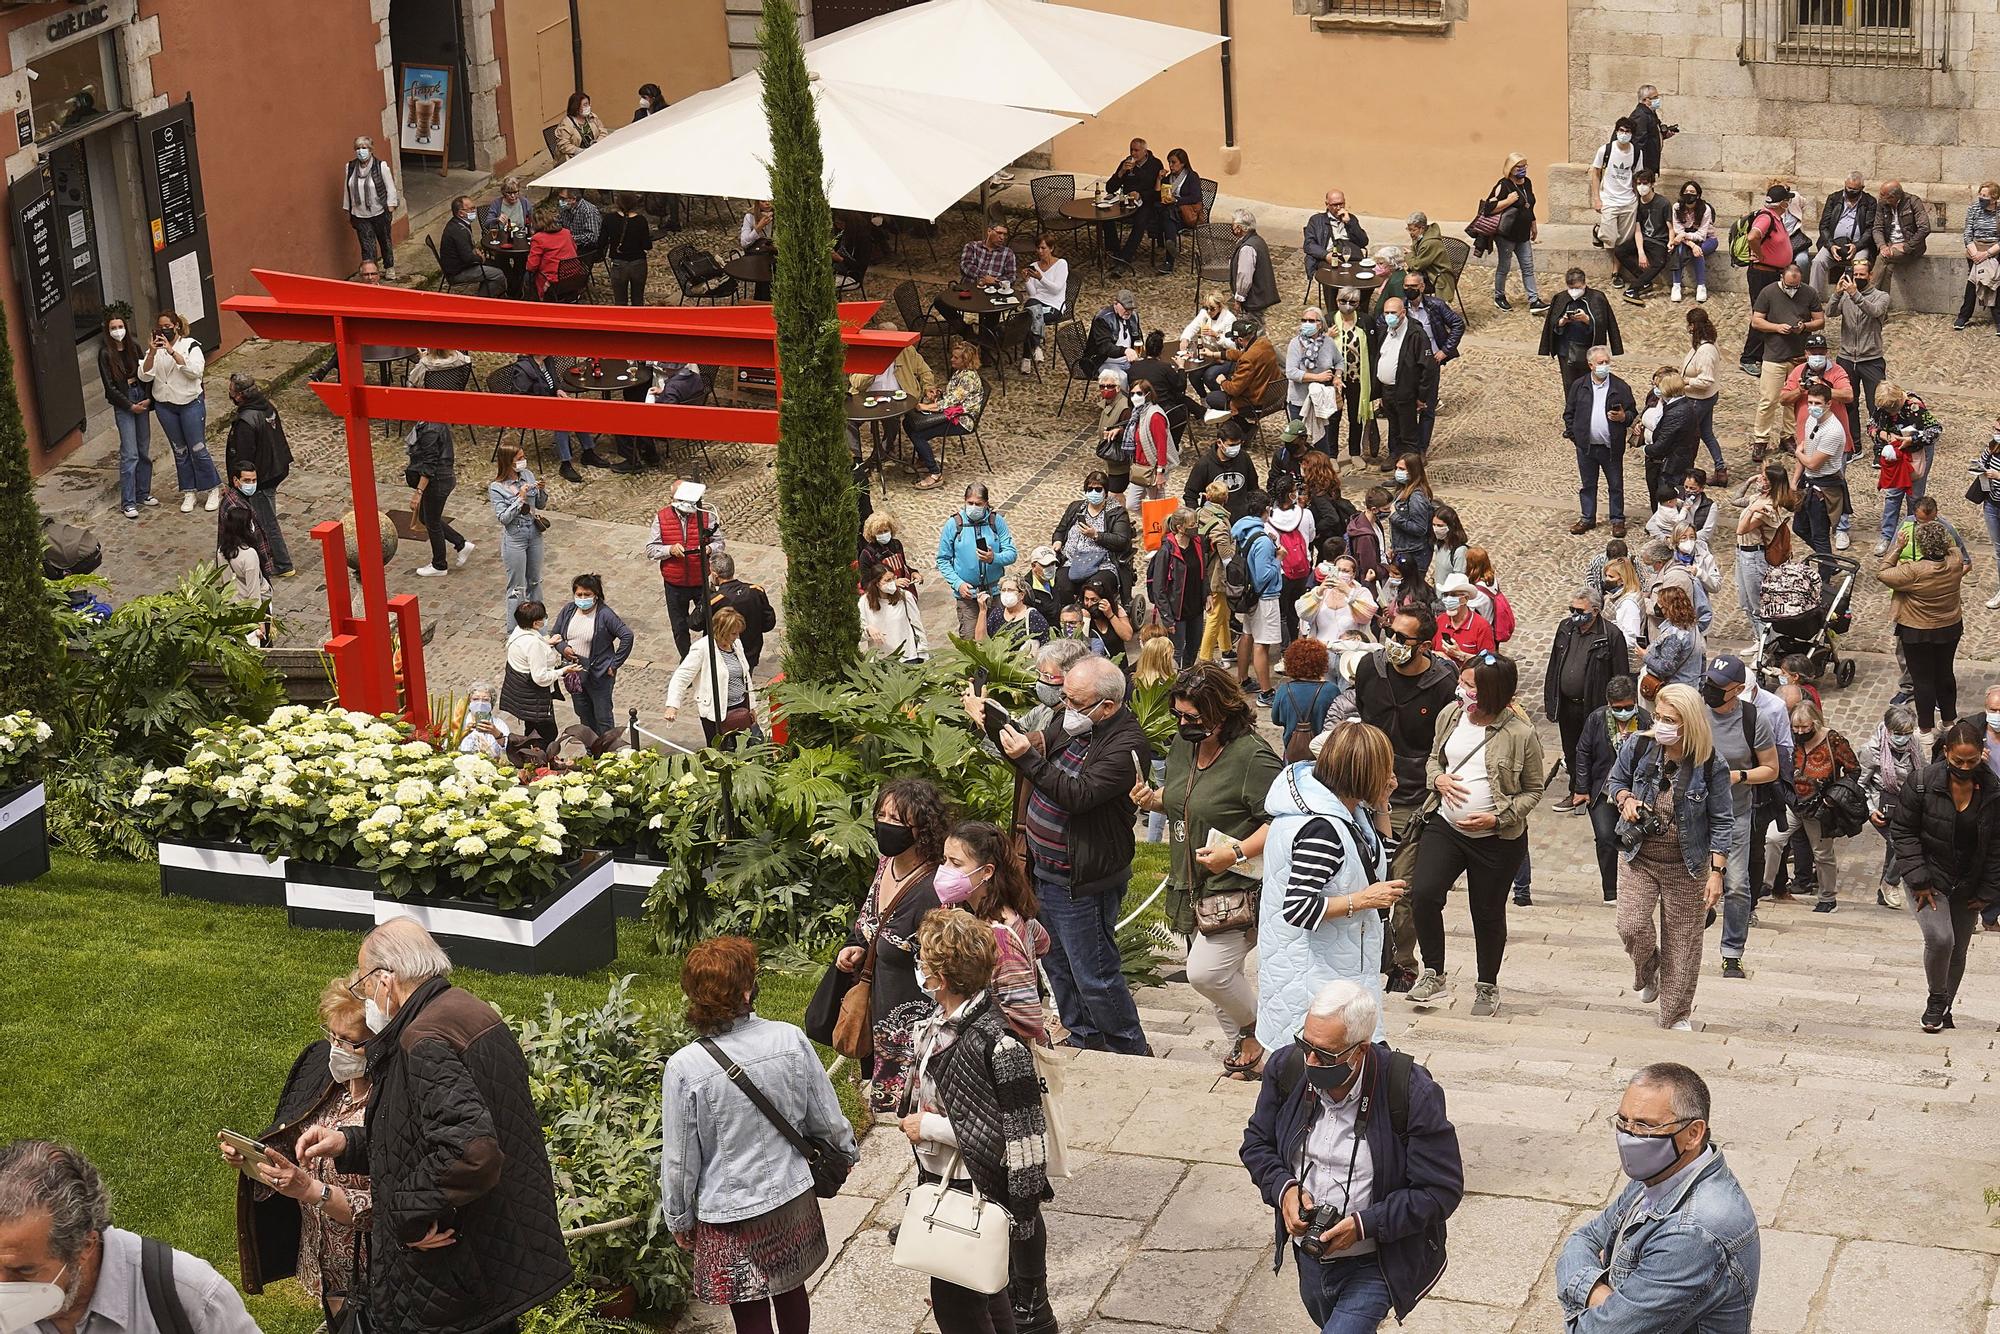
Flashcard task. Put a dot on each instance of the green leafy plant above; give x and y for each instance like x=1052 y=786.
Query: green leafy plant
x=574 y=1311
x=31 y=675
x=595 y=1079
x=24 y=748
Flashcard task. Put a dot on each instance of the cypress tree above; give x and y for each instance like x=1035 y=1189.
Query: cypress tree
x=818 y=515
x=31 y=667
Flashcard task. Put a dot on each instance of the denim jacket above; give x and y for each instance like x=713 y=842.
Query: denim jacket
x=721 y=1160
x=1703 y=807
x=1690 y=1264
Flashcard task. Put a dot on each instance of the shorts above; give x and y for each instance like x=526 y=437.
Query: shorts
x=1263 y=624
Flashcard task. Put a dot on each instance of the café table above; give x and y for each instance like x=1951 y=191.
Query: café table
x=1367 y=281
x=754 y=269
x=511 y=256
x=987 y=304
x=866 y=407
x=385 y=357
x=1086 y=210
x=614 y=375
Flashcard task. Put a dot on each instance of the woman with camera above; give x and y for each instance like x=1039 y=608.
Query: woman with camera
x=1676 y=825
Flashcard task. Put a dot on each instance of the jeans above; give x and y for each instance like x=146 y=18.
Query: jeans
x=1203 y=379
x=1680 y=256
x=1932 y=675
x=135 y=458
x=430 y=513
x=1736 y=894
x=1992 y=513
x=1084 y=968
x=564 y=454
x=1347 y=1295
x=1892 y=512
x=1603 y=832
x=522 y=559
x=373 y=233
x=1820 y=507
x=1038 y=320
x=593 y=704
x=1156 y=821
x=491 y=281
x=1705 y=414
x=265 y=504
x=920 y=443
x=1589 y=463
x=1865 y=374
x=1514 y=252
x=1524 y=878
x=186 y=426
x=1947 y=926
x=628 y=281
x=1751 y=567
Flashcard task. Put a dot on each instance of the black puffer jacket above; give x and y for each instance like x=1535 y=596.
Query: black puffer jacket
x=452 y=1139
x=1920 y=827
x=267 y=1230
x=987 y=1082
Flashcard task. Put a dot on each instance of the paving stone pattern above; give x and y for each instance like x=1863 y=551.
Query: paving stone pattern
x=1863 y=1143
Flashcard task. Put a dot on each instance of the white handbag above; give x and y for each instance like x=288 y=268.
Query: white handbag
x=1049 y=1064
x=959 y=1237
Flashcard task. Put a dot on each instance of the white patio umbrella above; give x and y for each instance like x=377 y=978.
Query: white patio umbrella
x=1021 y=53
x=907 y=154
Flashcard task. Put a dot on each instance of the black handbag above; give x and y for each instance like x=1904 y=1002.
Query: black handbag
x=352 y=1317
x=824 y=1007
x=829 y=1164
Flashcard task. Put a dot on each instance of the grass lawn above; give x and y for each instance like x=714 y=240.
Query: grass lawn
x=136 y=1026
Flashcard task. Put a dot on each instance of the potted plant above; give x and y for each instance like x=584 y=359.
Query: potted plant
x=24 y=824
x=607 y=802
x=200 y=812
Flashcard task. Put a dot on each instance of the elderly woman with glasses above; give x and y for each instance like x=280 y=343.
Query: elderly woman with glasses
x=297 y=1220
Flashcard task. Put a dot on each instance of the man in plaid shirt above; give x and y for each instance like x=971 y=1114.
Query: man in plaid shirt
x=987 y=261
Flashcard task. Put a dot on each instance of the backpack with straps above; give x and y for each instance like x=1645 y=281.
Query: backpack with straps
x=156 y=1268
x=1503 y=612
x=1239 y=588
x=1742 y=245
x=1294 y=561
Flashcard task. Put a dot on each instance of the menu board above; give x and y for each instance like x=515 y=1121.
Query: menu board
x=172 y=168
x=39 y=255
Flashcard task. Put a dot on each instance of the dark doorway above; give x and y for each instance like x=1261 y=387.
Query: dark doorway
x=76 y=227
x=428 y=32
x=833 y=15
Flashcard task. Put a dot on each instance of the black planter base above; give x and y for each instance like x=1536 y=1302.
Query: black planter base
x=220 y=873
x=572 y=929
x=325 y=896
x=24 y=834
x=632 y=881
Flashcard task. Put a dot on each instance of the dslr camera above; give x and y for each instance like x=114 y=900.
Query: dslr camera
x=1322 y=1217
x=1631 y=833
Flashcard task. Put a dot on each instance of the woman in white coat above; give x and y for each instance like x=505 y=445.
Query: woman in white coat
x=732 y=709
x=1325 y=877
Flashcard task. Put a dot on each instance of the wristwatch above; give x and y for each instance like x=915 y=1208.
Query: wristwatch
x=1236 y=846
x=325 y=1194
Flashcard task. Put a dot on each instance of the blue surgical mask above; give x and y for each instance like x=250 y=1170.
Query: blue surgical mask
x=1993 y=720
x=974 y=513
x=1816 y=362
x=1654 y=104
x=1624 y=136
x=1625 y=715
x=247 y=488
x=1392 y=319
x=1601 y=371
x=1229 y=451
x=584 y=602
x=1816 y=411
x=1452 y=601
x=1094 y=496
x=1520 y=173
x=1401 y=475
x=480 y=707
x=1309 y=328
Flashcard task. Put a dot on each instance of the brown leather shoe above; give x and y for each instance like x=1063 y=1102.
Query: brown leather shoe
x=1581 y=526
x=1618 y=528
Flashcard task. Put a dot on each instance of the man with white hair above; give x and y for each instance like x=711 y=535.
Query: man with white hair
x=1252 y=282
x=1678 y=1248
x=465 y=1238
x=1648 y=134
x=1350 y=1146
x=1846 y=233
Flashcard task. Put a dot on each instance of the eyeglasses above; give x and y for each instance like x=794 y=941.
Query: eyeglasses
x=1326 y=1057
x=339 y=1041
x=354 y=987
x=1181 y=716
x=1617 y=1121
x=1081 y=708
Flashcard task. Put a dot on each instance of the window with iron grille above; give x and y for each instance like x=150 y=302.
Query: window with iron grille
x=1846 y=32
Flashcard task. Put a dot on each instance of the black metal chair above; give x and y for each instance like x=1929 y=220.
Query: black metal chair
x=972 y=430
x=456 y=378
x=1457 y=254
x=507 y=380
x=1049 y=194
x=1190 y=238
x=471 y=284
x=549 y=141
x=699 y=276
x=571 y=283
x=915 y=315
x=1069 y=347
x=1005 y=342
x=1272 y=402
x=1213 y=247
x=592 y=260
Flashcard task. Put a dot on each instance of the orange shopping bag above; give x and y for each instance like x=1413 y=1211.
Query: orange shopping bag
x=1153 y=519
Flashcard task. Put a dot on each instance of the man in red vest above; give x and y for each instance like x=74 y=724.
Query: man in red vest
x=682 y=529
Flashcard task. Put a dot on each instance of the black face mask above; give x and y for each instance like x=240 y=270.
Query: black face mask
x=1713 y=695
x=1194 y=732
x=1968 y=775
x=1332 y=1078
x=893 y=839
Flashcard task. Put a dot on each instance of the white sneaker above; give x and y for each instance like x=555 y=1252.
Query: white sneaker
x=1675 y=295
x=1992 y=603
x=464 y=554
x=1882 y=549
x=1701 y=291
x=1841 y=541
x=151 y=502
x=1214 y=415
x=187 y=502
x=1027 y=365
x=1038 y=354
x=1648 y=994
x=214 y=499
x=131 y=511
x=1683 y=1026
x=428 y=570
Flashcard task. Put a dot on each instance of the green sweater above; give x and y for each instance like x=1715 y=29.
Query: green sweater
x=1228 y=795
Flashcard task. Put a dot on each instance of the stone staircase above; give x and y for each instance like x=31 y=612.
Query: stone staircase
x=1864 y=1144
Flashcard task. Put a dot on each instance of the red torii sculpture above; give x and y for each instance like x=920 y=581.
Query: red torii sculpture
x=349 y=315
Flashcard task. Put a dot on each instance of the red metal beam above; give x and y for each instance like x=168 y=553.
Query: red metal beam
x=599 y=416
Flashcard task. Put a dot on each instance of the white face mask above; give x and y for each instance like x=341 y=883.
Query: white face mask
x=372 y=1013
x=885 y=538
x=1687 y=547
x=1575 y=293
x=23 y=1305
x=1010 y=599
x=117 y=334
x=584 y=109
x=1076 y=722
x=520 y=465
x=344 y=1064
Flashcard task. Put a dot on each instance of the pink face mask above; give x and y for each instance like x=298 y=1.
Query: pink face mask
x=953 y=885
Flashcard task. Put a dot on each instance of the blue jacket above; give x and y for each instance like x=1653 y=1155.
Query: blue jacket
x=1691 y=1264
x=1265 y=573
x=1418 y=1181
x=958 y=551
x=1703 y=807
x=610 y=639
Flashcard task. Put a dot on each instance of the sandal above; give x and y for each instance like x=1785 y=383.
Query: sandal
x=1238 y=1068
x=936 y=479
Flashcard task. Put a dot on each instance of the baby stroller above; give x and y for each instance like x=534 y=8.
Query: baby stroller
x=1805 y=605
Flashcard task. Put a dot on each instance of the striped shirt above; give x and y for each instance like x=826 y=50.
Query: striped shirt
x=1047 y=823
x=1318 y=854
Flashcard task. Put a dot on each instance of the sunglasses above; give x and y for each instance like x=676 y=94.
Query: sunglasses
x=1326 y=1057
